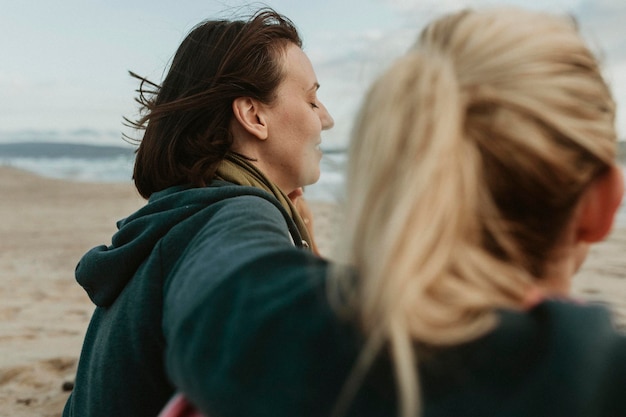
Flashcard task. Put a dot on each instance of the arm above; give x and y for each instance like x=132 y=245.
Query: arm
x=248 y=330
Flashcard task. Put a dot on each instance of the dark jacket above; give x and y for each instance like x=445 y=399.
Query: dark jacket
x=121 y=371
x=292 y=356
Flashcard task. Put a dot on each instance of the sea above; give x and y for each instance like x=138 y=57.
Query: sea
x=101 y=163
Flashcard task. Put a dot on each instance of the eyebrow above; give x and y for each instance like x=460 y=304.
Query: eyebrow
x=315 y=87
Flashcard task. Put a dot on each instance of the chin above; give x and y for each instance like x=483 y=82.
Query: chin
x=315 y=178
x=313 y=175
x=310 y=181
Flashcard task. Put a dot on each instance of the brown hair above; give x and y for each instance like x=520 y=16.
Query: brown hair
x=186 y=118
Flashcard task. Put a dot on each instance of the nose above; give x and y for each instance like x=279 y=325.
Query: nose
x=327 y=120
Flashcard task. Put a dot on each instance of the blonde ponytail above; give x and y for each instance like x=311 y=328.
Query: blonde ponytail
x=466 y=160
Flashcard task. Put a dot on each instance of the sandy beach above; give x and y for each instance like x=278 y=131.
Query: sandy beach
x=48 y=224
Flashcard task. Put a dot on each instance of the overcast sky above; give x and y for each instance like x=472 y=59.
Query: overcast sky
x=64 y=63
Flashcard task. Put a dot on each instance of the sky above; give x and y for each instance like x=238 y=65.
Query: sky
x=64 y=64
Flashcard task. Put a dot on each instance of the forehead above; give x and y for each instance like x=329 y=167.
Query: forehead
x=297 y=68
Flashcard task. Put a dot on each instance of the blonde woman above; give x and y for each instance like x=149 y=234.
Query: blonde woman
x=482 y=167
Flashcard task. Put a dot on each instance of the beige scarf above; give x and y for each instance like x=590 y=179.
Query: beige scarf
x=237 y=170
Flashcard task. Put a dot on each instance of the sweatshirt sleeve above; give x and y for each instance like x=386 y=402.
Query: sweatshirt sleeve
x=248 y=329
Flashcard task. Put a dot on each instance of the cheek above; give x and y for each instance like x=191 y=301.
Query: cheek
x=299 y=129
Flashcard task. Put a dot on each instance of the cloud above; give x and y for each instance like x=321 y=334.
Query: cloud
x=347 y=72
x=71 y=71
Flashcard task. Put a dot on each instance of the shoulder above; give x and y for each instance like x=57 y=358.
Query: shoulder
x=222 y=207
x=218 y=192
x=576 y=321
x=245 y=217
x=561 y=358
x=572 y=333
x=579 y=356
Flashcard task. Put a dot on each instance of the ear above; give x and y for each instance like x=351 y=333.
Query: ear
x=248 y=113
x=599 y=205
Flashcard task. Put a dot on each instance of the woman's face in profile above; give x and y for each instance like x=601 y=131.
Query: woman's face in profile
x=295 y=120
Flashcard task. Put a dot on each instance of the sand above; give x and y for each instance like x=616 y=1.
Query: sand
x=46 y=225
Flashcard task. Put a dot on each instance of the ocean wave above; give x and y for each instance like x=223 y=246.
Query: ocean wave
x=98 y=163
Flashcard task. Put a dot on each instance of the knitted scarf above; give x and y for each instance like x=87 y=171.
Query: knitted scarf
x=237 y=170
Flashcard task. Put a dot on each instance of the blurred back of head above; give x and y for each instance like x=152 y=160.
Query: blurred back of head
x=467 y=160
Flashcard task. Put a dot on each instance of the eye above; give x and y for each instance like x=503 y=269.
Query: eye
x=315 y=106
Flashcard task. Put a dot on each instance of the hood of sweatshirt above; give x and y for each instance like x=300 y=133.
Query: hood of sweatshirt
x=104 y=271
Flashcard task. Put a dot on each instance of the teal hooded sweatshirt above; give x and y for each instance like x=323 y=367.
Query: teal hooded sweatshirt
x=179 y=245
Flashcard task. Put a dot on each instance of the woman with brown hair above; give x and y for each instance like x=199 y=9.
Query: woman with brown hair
x=232 y=134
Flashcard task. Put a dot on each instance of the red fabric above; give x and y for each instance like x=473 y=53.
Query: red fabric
x=178 y=406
